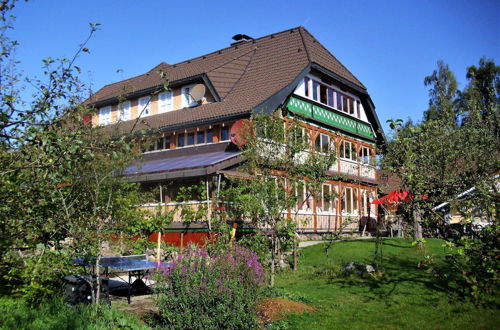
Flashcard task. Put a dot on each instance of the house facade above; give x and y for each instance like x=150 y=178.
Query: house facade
x=191 y=120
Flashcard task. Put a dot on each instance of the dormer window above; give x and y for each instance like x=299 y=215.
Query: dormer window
x=124 y=111
x=144 y=106
x=105 y=115
x=165 y=102
x=187 y=100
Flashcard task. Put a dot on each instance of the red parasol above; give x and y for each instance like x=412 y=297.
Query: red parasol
x=396 y=196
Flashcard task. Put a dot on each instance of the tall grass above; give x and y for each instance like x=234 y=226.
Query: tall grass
x=55 y=314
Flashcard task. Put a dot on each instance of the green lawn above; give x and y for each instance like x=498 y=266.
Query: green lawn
x=408 y=297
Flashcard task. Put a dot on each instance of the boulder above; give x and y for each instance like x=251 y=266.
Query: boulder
x=358 y=269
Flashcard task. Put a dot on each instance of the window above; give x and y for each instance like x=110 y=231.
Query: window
x=105 y=115
x=224 y=133
x=323 y=94
x=144 y=106
x=181 y=140
x=339 y=101
x=124 y=111
x=200 y=137
x=366 y=198
x=350 y=201
x=159 y=144
x=364 y=155
x=328 y=198
x=304 y=200
x=210 y=136
x=325 y=143
x=322 y=143
x=315 y=86
x=165 y=102
x=331 y=98
x=187 y=100
x=190 y=139
x=348 y=150
x=167 y=142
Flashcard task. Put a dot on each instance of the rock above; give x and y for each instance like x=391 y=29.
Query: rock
x=370 y=269
x=359 y=269
x=350 y=267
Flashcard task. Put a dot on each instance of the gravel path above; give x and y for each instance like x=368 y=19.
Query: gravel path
x=309 y=243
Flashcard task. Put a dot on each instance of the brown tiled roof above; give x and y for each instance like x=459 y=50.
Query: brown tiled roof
x=244 y=76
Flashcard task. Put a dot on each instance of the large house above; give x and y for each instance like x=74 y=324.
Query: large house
x=206 y=95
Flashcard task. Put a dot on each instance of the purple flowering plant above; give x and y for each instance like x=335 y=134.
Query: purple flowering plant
x=217 y=290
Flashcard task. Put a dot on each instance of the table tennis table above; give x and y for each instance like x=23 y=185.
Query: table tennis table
x=136 y=266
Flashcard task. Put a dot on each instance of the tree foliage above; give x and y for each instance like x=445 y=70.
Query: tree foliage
x=58 y=176
x=457 y=145
x=279 y=158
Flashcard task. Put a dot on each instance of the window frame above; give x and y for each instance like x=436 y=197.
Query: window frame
x=365 y=159
x=349 y=202
x=105 y=115
x=163 y=105
x=124 y=110
x=186 y=99
x=334 y=99
x=321 y=144
x=332 y=209
x=366 y=198
x=306 y=201
x=144 y=108
x=352 y=155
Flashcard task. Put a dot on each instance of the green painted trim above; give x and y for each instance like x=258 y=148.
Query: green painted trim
x=329 y=128
x=329 y=117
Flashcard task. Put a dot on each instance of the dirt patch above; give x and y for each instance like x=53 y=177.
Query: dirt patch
x=139 y=305
x=272 y=309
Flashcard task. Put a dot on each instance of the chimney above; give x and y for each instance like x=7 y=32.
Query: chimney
x=240 y=38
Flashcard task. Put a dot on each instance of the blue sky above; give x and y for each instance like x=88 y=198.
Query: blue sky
x=389 y=45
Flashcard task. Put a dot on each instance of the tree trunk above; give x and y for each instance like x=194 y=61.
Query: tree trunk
x=98 y=275
x=273 y=257
x=417 y=226
x=295 y=247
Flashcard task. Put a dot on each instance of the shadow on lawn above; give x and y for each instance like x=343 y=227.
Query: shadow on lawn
x=399 y=276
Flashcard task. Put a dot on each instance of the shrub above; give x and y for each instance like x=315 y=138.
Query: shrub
x=202 y=291
x=38 y=275
x=474 y=264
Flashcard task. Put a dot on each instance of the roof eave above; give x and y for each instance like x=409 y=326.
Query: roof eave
x=157 y=88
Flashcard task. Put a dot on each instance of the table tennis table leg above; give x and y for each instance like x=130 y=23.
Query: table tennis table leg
x=129 y=287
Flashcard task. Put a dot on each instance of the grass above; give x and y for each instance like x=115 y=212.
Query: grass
x=405 y=297
x=55 y=314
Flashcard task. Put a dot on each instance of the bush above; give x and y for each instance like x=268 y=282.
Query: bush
x=38 y=275
x=474 y=264
x=202 y=291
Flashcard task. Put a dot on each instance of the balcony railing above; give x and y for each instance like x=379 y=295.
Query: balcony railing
x=354 y=168
x=178 y=207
